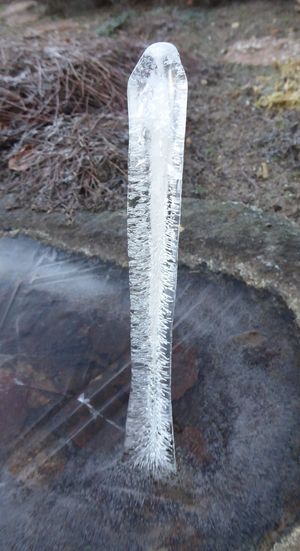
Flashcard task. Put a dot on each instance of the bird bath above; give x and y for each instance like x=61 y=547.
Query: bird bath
x=65 y=375
x=64 y=387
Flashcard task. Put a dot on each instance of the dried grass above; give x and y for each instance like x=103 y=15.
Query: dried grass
x=63 y=122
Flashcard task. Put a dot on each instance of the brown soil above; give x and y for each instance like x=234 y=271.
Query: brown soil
x=234 y=149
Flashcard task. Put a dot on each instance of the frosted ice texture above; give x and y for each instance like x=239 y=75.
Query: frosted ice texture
x=157 y=98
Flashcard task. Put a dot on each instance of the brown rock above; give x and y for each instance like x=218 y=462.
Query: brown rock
x=193 y=440
x=13 y=407
x=184 y=371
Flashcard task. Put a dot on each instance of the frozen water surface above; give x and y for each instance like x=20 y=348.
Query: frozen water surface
x=64 y=386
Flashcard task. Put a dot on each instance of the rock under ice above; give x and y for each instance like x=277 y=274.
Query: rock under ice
x=157 y=99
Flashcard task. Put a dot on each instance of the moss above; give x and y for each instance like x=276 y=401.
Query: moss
x=284 y=91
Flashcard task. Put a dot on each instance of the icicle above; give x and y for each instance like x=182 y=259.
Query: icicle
x=157 y=97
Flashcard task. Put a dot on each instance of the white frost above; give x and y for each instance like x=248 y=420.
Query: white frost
x=157 y=98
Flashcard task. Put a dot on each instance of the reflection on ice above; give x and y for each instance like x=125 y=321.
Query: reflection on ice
x=64 y=386
x=45 y=269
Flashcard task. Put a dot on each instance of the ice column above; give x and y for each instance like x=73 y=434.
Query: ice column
x=157 y=98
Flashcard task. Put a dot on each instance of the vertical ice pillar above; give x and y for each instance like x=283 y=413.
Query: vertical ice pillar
x=157 y=98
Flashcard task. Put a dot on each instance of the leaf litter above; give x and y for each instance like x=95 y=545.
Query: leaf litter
x=63 y=121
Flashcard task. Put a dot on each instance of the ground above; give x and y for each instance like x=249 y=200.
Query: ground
x=235 y=150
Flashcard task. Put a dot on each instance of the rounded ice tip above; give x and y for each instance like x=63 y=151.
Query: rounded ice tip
x=160 y=50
